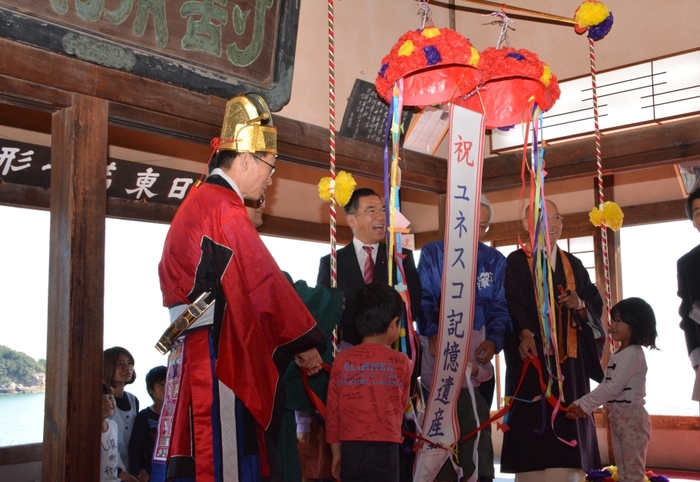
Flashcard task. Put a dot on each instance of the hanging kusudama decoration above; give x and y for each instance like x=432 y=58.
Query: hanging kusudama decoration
x=514 y=80
x=436 y=64
x=594 y=17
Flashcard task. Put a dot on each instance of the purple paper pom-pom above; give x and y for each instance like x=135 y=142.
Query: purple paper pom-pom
x=597 y=32
x=382 y=71
x=598 y=475
x=432 y=55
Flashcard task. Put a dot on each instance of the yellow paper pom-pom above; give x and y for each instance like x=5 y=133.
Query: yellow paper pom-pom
x=474 y=59
x=430 y=32
x=406 y=49
x=324 y=188
x=611 y=215
x=344 y=187
x=591 y=13
x=546 y=75
x=341 y=191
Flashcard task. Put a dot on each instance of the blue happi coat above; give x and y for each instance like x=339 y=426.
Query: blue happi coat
x=490 y=308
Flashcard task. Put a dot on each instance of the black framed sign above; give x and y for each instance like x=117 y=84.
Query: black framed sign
x=30 y=165
x=366 y=115
x=217 y=47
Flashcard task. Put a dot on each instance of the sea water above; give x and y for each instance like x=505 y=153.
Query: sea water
x=21 y=419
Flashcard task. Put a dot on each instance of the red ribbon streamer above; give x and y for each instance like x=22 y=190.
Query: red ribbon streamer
x=535 y=362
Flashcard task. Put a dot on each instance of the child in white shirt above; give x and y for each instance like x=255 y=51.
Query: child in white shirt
x=623 y=389
x=111 y=467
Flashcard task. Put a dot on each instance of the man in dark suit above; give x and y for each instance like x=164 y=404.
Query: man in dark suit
x=366 y=216
x=364 y=261
x=689 y=292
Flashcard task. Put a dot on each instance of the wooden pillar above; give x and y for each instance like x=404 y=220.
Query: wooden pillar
x=442 y=199
x=72 y=424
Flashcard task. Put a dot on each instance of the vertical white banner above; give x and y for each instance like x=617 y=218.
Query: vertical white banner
x=465 y=162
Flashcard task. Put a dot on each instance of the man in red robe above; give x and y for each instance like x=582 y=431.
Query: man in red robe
x=223 y=391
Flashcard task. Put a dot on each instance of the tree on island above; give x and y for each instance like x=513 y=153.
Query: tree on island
x=19 y=368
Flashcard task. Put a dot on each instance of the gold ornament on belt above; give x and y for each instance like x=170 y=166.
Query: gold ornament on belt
x=186 y=319
x=248 y=126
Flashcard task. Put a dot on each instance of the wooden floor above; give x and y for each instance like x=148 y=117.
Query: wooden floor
x=673 y=475
x=677 y=476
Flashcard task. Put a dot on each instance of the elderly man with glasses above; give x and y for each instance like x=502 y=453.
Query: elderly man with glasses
x=540 y=446
x=223 y=392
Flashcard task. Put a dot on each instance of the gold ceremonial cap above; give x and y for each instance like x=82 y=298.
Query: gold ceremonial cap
x=248 y=126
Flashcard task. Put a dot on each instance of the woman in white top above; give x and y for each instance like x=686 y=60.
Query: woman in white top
x=119 y=372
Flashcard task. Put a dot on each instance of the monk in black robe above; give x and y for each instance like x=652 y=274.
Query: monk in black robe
x=531 y=448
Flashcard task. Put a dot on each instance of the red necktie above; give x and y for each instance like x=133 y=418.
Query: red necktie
x=369 y=265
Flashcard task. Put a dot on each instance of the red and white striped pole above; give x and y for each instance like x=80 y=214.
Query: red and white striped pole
x=331 y=104
x=601 y=194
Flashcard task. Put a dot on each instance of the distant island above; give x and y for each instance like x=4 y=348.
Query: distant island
x=20 y=373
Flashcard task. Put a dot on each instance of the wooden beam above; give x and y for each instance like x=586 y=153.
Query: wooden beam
x=20 y=454
x=21 y=196
x=578 y=224
x=424 y=238
x=188 y=115
x=33 y=197
x=196 y=117
x=303 y=230
x=622 y=152
x=442 y=202
x=31 y=95
x=505 y=233
x=72 y=423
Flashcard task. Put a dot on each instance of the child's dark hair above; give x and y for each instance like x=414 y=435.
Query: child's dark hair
x=155 y=375
x=106 y=389
x=110 y=358
x=640 y=317
x=376 y=305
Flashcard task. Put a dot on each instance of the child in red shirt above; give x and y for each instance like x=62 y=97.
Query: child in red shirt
x=368 y=392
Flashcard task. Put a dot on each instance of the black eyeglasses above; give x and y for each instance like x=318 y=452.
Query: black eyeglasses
x=272 y=168
x=254 y=203
x=370 y=212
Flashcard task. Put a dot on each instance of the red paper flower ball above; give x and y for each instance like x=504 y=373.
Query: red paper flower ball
x=436 y=65
x=513 y=81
